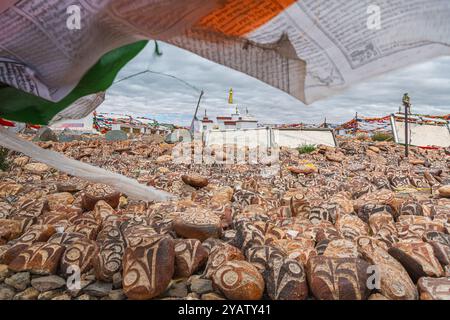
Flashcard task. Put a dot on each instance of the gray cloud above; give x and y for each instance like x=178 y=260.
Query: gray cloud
x=169 y=100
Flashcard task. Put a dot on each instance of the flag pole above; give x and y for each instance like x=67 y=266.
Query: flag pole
x=406 y=132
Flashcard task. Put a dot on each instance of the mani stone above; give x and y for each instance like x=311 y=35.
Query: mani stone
x=148 y=269
x=321 y=246
x=190 y=255
x=222 y=196
x=9 y=230
x=418 y=259
x=8 y=189
x=300 y=249
x=56 y=200
x=198 y=224
x=437 y=236
x=322 y=212
x=394 y=281
x=367 y=210
x=286 y=280
x=103 y=212
x=37 y=233
x=39 y=258
x=116 y=135
x=434 y=288
x=341 y=248
x=338 y=278
x=139 y=235
x=351 y=227
x=48 y=283
x=4 y=272
x=411 y=208
x=441 y=252
x=88 y=201
x=263 y=256
x=239 y=280
x=381 y=220
x=219 y=256
x=248 y=235
x=109 y=259
x=11 y=252
x=36 y=168
x=66 y=238
x=79 y=254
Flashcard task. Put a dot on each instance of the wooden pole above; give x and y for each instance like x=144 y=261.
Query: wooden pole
x=406 y=132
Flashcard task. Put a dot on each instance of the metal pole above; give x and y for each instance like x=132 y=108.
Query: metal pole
x=196 y=110
x=406 y=132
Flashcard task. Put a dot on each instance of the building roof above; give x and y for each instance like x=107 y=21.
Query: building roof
x=248 y=120
x=206 y=120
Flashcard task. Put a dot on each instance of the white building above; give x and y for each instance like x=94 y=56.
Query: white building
x=205 y=124
x=235 y=121
x=85 y=125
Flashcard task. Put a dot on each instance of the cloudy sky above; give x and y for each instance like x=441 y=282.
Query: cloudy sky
x=169 y=100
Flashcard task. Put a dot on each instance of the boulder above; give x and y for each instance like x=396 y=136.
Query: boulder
x=19 y=281
x=98 y=289
x=6 y=292
x=28 y=294
x=201 y=286
x=444 y=191
x=195 y=181
x=48 y=283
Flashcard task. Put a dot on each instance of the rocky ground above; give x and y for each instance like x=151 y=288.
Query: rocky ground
x=355 y=222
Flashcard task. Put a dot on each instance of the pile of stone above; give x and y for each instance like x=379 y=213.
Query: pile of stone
x=355 y=222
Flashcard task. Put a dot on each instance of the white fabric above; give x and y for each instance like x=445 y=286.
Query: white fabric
x=128 y=186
